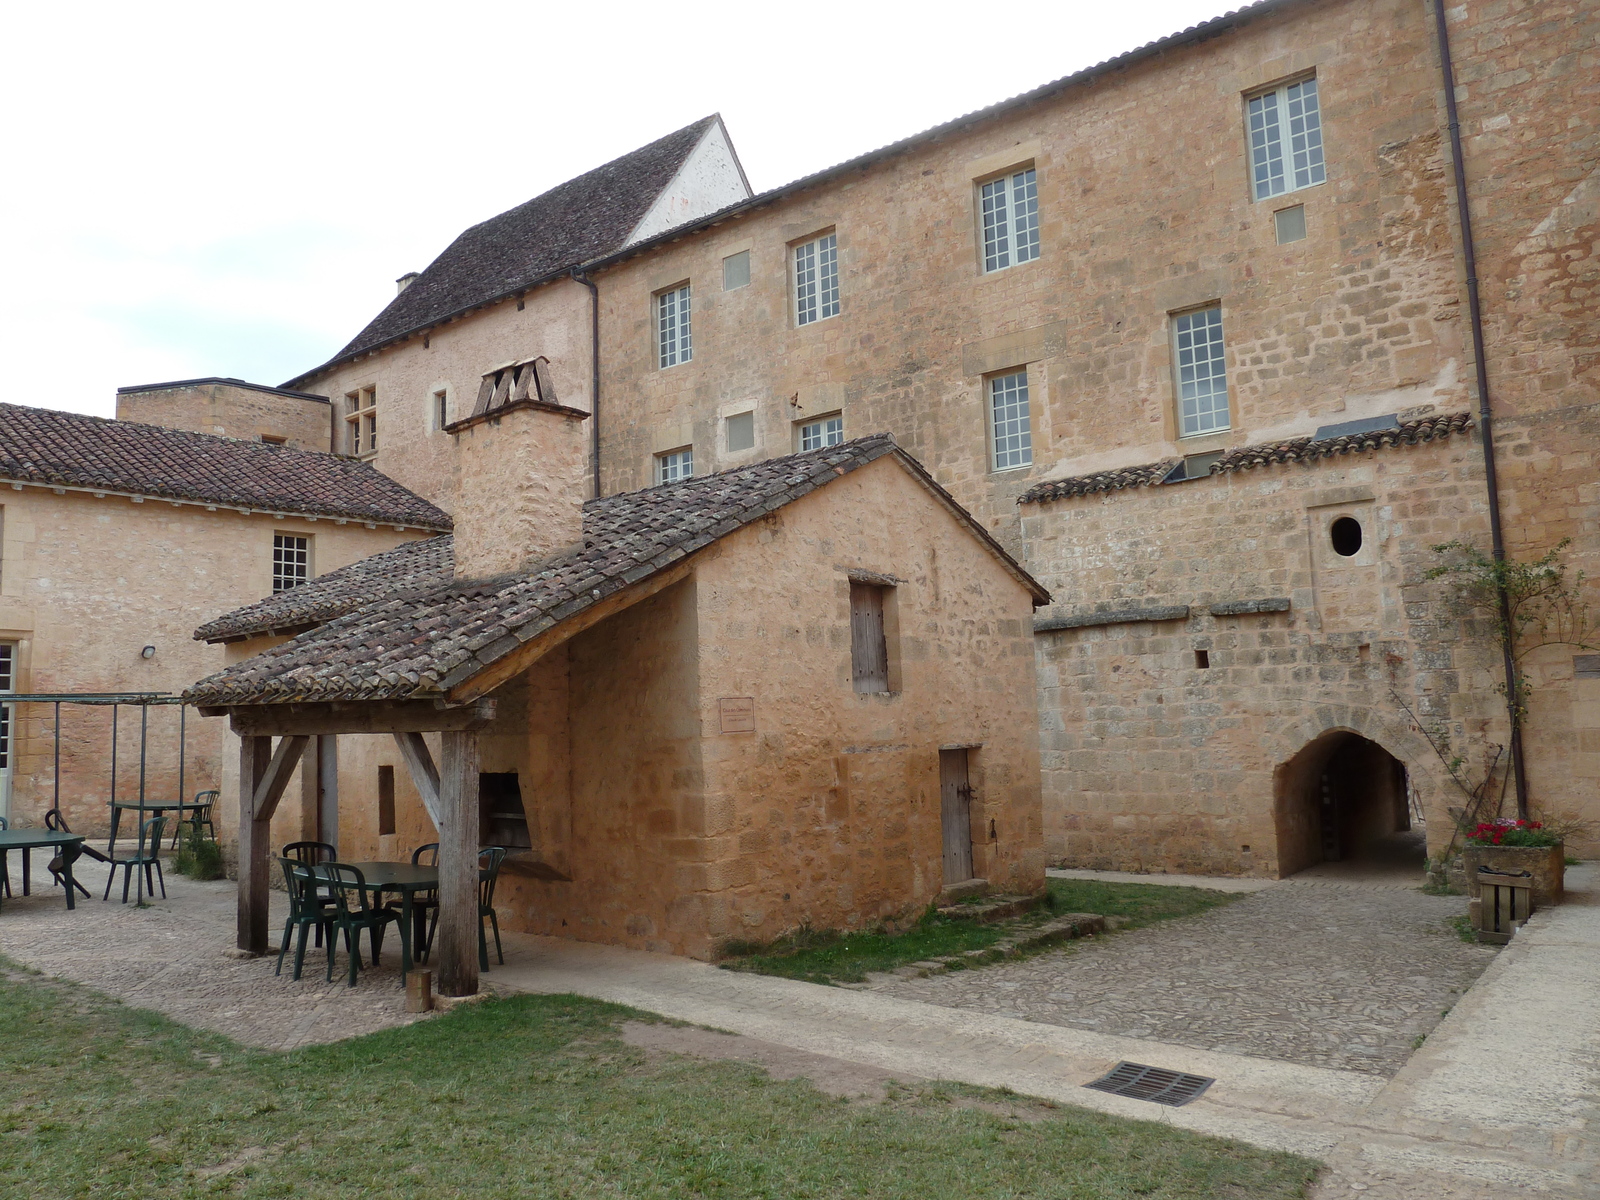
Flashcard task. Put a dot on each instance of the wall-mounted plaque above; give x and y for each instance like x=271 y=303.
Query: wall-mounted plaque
x=738 y=714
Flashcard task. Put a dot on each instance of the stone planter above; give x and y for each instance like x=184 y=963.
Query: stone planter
x=1547 y=865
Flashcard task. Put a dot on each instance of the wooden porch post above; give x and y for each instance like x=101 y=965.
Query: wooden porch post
x=255 y=834
x=456 y=949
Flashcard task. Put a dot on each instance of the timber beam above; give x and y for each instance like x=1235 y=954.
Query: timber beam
x=354 y=716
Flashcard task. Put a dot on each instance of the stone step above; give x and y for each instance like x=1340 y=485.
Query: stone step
x=993 y=908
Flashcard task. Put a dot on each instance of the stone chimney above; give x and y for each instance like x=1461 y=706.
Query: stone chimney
x=405 y=281
x=522 y=475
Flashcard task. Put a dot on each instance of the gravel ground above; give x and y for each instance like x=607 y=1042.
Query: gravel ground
x=1322 y=972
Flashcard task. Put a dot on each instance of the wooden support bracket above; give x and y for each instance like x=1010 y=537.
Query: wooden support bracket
x=419 y=761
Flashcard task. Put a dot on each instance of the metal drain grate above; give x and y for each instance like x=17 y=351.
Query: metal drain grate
x=1156 y=1084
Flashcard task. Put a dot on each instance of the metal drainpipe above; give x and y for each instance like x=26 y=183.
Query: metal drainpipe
x=594 y=374
x=1469 y=260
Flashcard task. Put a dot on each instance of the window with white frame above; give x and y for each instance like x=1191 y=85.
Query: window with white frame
x=1010 y=423
x=1202 y=373
x=816 y=280
x=8 y=683
x=291 y=561
x=1285 y=139
x=361 y=420
x=824 y=431
x=675 y=465
x=1010 y=208
x=673 y=343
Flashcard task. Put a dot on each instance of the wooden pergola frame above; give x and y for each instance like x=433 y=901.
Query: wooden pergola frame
x=449 y=791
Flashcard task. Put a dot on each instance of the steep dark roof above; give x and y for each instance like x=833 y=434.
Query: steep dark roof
x=418 y=566
x=39 y=445
x=578 y=220
x=406 y=646
x=1244 y=458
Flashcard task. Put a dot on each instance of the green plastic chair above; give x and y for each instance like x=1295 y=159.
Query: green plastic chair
x=147 y=856
x=352 y=913
x=198 y=817
x=489 y=860
x=308 y=910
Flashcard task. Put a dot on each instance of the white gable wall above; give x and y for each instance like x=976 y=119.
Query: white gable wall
x=710 y=179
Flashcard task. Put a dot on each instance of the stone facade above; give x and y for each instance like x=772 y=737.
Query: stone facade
x=232 y=408
x=1146 y=211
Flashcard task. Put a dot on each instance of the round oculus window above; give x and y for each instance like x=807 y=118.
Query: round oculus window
x=1345 y=534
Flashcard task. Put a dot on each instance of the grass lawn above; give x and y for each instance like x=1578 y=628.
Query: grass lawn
x=533 y=1096
x=828 y=956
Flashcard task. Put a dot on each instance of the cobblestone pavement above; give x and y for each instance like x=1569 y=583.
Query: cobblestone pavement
x=169 y=956
x=1313 y=971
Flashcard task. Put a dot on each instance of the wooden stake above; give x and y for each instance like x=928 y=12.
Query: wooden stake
x=456 y=947
x=255 y=755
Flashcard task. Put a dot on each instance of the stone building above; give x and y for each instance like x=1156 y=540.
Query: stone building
x=1191 y=333
x=116 y=540
x=797 y=692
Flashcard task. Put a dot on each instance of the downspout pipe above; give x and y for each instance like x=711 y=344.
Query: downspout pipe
x=1491 y=479
x=594 y=374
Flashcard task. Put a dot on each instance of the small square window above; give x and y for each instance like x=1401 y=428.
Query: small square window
x=1010 y=207
x=822 y=432
x=673 y=341
x=291 y=561
x=675 y=465
x=1010 y=422
x=736 y=271
x=741 y=429
x=1202 y=372
x=816 y=280
x=1285 y=128
x=1290 y=224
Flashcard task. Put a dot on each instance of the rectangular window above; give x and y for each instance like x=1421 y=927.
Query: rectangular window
x=672 y=327
x=741 y=429
x=869 y=647
x=675 y=465
x=1285 y=127
x=825 y=431
x=1290 y=224
x=8 y=683
x=361 y=420
x=736 y=271
x=1202 y=374
x=1009 y=421
x=291 y=561
x=1010 y=208
x=385 y=800
x=816 y=280
x=441 y=409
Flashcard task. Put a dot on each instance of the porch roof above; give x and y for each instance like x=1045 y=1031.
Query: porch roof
x=421 y=644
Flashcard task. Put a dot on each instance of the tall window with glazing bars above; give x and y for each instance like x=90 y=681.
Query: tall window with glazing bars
x=816 y=280
x=291 y=561
x=1010 y=207
x=1285 y=139
x=1202 y=373
x=1011 y=426
x=673 y=340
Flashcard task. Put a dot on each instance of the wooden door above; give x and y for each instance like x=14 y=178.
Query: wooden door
x=955 y=804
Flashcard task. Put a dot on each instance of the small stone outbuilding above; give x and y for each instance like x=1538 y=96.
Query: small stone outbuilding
x=798 y=692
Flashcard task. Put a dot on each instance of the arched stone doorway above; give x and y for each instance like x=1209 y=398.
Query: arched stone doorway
x=1344 y=798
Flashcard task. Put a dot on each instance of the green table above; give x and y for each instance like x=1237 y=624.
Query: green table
x=26 y=840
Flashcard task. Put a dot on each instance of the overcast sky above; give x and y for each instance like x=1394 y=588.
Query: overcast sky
x=231 y=189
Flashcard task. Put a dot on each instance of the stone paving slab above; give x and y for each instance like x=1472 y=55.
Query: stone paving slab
x=1217 y=883
x=1322 y=973
x=169 y=956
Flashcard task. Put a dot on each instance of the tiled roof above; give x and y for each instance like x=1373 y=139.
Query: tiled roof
x=418 y=566
x=39 y=445
x=570 y=224
x=1244 y=458
x=411 y=646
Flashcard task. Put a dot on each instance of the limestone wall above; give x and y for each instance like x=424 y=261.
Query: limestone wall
x=233 y=410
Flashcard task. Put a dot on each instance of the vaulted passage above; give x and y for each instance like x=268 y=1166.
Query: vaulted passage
x=1343 y=798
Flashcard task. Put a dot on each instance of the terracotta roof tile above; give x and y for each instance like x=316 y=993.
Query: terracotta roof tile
x=419 y=643
x=40 y=445
x=1245 y=458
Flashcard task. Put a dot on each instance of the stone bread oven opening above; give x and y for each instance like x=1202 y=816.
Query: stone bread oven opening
x=1344 y=798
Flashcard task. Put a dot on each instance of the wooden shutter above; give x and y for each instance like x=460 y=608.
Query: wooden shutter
x=869 y=652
